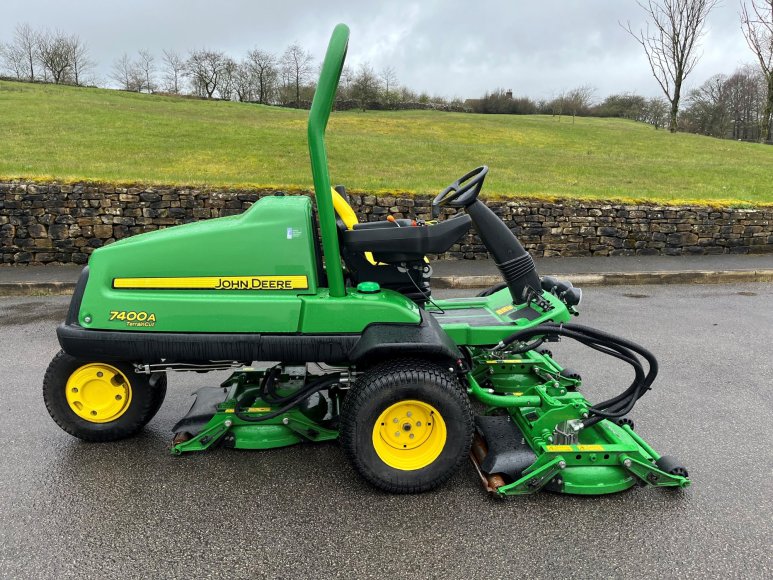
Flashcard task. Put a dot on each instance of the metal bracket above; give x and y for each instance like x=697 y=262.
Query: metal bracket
x=203 y=440
x=535 y=480
x=651 y=475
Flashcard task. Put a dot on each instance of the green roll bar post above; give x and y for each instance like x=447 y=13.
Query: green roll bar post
x=318 y=117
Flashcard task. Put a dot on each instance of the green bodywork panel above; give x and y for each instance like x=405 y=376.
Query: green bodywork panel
x=487 y=320
x=274 y=237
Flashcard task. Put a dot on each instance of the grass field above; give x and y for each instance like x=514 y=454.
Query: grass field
x=69 y=134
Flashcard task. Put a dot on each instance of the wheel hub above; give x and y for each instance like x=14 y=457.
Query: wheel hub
x=409 y=435
x=98 y=393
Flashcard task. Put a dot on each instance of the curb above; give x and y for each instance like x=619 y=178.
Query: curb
x=622 y=278
x=36 y=288
x=462 y=282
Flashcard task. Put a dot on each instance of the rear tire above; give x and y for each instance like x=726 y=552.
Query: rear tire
x=84 y=406
x=406 y=425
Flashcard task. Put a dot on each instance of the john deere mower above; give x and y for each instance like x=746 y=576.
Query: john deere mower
x=331 y=332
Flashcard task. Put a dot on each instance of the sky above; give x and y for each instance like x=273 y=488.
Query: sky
x=452 y=48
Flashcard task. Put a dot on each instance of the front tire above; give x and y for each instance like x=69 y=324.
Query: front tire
x=406 y=425
x=97 y=401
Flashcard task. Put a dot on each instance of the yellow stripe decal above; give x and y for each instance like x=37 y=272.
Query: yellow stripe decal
x=558 y=448
x=215 y=283
x=590 y=448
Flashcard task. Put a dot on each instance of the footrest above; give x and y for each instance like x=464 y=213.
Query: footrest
x=203 y=409
x=508 y=452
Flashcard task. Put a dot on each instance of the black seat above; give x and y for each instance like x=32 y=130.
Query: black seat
x=391 y=252
x=395 y=242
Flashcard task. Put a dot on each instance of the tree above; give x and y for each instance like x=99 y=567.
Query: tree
x=672 y=34
x=757 y=25
x=746 y=96
x=174 y=68
x=389 y=78
x=228 y=79
x=296 y=67
x=656 y=112
x=80 y=61
x=146 y=66
x=626 y=106
x=365 y=85
x=55 y=55
x=13 y=61
x=206 y=69
x=579 y=100
x=244 y=82
x=262 y=67
x=127 y=74
x=707 y=110
x=27 y=47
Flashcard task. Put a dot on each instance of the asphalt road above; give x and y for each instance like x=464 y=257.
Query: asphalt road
x=130 y=510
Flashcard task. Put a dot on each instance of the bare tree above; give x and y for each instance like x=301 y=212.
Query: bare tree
x=13 y=61
x=206 y=69
x=707 y=110
x=80 y=61
x=757 y=24
x=27 y=46
x=55 y=54
x=244 y=82
x=228 y=79
x=365 y=85
x=670 y=38
x=174 y=68
x=656 y=112
x=578 y=100
x=146 y=65
x=296 y=67
x=264 y=74
x=746 y=93
x=127 y=74
x=389 y=78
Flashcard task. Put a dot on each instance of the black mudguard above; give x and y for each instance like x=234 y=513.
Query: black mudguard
x=426 y=339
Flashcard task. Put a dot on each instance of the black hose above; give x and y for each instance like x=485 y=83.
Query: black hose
x=605 y=343
x=293 y=400
x=491 y=290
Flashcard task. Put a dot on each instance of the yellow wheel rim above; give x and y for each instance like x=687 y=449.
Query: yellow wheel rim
x=98 y=393
x=409 y=435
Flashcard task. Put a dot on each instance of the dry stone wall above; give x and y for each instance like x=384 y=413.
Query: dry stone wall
x=53 y=223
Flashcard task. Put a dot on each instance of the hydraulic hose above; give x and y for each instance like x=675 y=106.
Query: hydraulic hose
x=619 y=348
x=293 y=400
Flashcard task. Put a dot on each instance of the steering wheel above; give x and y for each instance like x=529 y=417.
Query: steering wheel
x=462 y=192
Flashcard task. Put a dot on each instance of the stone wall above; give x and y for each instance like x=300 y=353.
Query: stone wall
x=49 y=223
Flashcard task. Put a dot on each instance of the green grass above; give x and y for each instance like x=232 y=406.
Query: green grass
x=71 y=134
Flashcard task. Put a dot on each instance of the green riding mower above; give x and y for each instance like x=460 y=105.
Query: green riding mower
x=331 y=332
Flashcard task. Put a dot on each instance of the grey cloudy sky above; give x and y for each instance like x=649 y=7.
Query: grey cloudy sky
x=452 y=47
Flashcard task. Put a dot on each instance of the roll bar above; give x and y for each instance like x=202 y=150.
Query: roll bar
x=318 y=117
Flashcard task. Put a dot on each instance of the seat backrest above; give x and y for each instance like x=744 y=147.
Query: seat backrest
x=348 y=217
x=344 y=210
